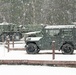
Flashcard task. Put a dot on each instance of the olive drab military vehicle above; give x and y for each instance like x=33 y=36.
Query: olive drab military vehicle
x=11 y=30
x=63 y=35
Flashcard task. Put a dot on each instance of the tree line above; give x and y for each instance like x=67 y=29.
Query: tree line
x=26 y=12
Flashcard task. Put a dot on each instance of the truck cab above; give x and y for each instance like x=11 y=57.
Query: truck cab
x=63 y=35
x=11 y=30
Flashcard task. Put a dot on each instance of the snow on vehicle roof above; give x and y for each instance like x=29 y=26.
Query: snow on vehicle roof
x=59 y=26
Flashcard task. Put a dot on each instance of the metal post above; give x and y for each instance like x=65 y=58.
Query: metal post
x=53 y=48
x=7 y=41
x=8 y=44
x=13 y=41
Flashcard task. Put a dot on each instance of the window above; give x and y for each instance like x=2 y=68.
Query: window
x=67 y=32
x=52 y=32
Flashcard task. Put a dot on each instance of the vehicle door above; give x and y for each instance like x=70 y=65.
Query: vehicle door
x=74 y=35
x=51 y=35
x=67 y=34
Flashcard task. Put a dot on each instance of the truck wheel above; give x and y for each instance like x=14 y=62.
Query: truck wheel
x=32 y=48
x=3 y=37
x=16 y=36
x=67 y=49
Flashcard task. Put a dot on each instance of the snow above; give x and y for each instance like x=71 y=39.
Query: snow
x=59 y=26
x=34 y=69
x=43 y=54
x=32 y=32
x=33 y=38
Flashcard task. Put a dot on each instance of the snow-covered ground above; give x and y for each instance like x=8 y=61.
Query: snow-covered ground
x=43 y=55
x=34 y=69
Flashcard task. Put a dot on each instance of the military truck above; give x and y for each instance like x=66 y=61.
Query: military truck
x=64 y=37
x=11 y=30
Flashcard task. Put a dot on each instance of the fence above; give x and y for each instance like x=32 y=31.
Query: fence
x=8 y=47
x=13 y=43
x=36 y=62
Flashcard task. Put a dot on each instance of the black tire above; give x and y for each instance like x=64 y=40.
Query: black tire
x=17 y=36
x=10 y=36
x=3 y=37
x=32 y=48
x=67 y=49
